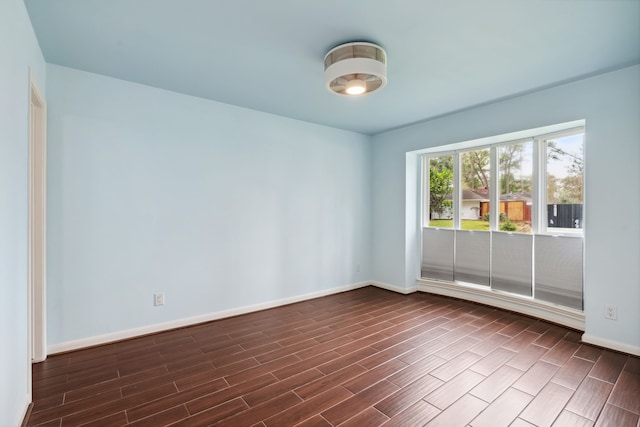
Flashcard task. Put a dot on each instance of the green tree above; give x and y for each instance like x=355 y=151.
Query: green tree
x=553 y=189
x=510 y=160
x=442 y=162
x=440 y=185
x=522 y=185
x=572 y=188
x=475 y=169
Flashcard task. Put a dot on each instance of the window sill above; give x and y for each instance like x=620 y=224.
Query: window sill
x=565 y=316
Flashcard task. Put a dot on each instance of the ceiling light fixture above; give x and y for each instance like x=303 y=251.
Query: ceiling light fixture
x=356 y=87
x=355 y=68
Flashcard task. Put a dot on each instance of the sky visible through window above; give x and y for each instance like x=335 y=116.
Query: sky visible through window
x=572 y=145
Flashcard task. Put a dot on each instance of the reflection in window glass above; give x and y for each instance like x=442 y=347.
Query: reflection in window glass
x=564 y=181
x=515 y=173
x=441 y=191
x=475 y=174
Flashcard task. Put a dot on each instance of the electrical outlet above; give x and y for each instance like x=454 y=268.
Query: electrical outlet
x=610 y=312
x=358 y=268
x=158 y=298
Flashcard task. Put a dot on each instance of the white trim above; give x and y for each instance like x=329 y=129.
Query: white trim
x=180 y=323
x=494 y=189
x=25 y=408
x=394 y=288
x=613 y=345
x=37 y=223
x=500 y=139
x=456 y=195
x=539 y=170
x=553 y=313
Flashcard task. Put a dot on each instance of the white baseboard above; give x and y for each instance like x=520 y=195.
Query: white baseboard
x=614 y=345
x=395 y=288
x=553 y=313
x=23 y=410
x=180 y=323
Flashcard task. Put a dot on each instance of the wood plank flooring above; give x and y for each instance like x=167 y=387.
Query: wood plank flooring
x=367 y=357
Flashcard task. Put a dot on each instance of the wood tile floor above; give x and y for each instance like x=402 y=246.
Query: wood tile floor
x=367 y=357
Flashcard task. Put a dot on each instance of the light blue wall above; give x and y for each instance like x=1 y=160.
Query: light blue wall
x=217 y=206
x=610 y=103
x=19 y=51
x=222 y=207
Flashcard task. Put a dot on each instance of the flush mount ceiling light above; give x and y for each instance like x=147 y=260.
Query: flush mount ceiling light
x=355 y=68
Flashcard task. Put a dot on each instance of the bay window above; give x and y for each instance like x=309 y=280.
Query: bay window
x=508 y=216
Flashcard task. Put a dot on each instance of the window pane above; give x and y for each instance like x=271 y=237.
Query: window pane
x=440 y=191
x=558 y=267
x=437 y=254
x=512 y=263
x=474 y=208
x=472 y=257
x=565 y=182
x=515 y=173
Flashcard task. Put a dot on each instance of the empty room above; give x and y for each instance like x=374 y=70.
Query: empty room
x=337 y=213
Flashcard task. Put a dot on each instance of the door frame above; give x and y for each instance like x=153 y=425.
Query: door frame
x=37 y=331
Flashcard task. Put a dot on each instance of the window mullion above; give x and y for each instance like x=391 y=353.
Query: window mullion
x=426 y=186
x=457 y=192
x=494 y=200
x=539 y=187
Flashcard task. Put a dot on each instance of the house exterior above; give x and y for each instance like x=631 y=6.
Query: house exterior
x=470 y=208
x=475 y=204
x=515 y=206
x=472 y=204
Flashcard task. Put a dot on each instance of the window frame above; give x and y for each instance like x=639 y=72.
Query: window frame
x=538 y=181
x=543 y=220
x=426 y=187
x=534 y=183
x=458 y=159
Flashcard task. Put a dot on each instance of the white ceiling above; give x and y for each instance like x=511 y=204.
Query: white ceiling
x=443 y=55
